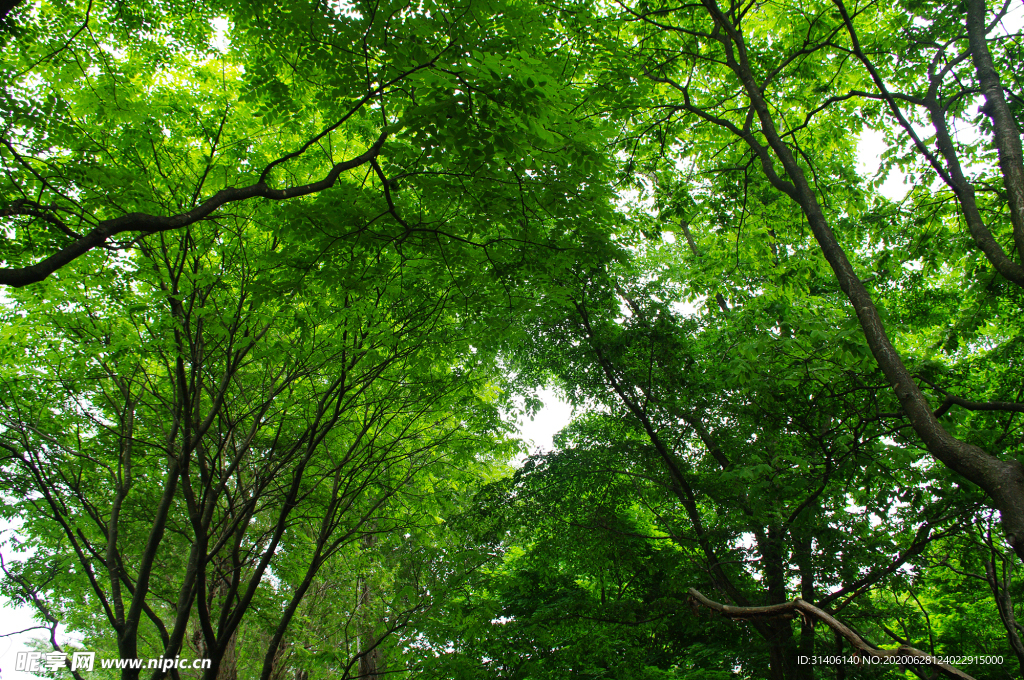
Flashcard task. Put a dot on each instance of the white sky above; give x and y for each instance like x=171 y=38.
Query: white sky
x=555 y=415
x=869 y=158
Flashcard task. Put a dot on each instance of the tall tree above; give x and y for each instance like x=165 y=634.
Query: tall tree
x=745 y=438
x=780 y=90
x=194 y=439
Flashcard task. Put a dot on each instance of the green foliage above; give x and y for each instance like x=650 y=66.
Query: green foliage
x=293 y=264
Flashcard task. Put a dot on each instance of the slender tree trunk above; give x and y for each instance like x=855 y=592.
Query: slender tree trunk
x=840 y=668
x=1000 y=586
x=371 y=659
x=804 y=559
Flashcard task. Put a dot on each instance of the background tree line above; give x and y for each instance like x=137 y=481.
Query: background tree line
x=279 y=277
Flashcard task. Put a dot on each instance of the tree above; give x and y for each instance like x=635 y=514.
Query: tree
x=127 y=121
x=743 y=442
x=193 y=447
x=722 y=88
x=589 y=584
x=718 y=98
x=430 y=188
x=274 y=270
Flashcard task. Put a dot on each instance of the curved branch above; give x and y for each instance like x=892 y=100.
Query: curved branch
x=152 y=224
x=951 y=401
x=809 y=613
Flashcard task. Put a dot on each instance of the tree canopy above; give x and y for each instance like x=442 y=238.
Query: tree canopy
x=278 y=279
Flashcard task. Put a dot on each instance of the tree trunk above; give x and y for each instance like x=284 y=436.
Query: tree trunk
x=371 y=656
x=804 y=559
x=1001 y=480
x=781 y=650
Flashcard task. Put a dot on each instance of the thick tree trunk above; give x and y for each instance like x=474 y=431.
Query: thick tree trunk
x=229 y=660
x=1004 y=128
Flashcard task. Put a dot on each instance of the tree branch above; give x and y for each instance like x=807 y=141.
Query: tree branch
x=809 y=613
x=1004 y=128
x=152 y=224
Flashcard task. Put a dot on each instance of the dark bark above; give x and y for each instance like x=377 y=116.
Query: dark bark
x=781 y=651
x=804 y=558
x=127 y=639
x=1004 y=127
x=999 y=579
x=7 y=6
x=371 y=656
